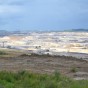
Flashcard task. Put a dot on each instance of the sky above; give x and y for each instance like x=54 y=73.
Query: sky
x=43 y=15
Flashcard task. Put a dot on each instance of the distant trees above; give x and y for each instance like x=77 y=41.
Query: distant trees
x=9 y=47
x=38 y=47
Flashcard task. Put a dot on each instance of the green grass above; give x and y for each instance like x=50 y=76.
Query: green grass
x=30 y=80
x=3 y=53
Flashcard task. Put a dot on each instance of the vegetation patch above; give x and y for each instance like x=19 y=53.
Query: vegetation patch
x=74 y=69
x=24 y=55
x=3 y=53
x=25 y=79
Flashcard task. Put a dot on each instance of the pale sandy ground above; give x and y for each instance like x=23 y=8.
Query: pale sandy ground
x=20 y=41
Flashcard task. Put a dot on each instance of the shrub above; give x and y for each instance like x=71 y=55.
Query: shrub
x=74 y=69
x=3 y=53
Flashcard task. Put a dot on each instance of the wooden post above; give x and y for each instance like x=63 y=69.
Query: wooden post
x=3 y=44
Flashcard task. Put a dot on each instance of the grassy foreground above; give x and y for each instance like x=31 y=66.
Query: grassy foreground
x=30 y=80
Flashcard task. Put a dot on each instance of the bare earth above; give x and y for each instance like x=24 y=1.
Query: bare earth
x=46 y=64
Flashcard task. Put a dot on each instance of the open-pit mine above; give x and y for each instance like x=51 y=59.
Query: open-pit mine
x=47 y=42
x=66 y=52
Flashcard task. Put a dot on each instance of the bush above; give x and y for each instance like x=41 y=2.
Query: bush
x=74 y=70
x=3 y=53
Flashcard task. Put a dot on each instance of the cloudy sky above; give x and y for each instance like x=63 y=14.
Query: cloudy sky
x=43 y=14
